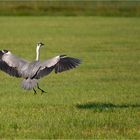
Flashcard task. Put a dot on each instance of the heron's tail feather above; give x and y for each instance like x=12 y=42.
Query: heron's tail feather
x=29 y=84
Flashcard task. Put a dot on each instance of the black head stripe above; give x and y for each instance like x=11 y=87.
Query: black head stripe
x=40 y=43
x=5 y=51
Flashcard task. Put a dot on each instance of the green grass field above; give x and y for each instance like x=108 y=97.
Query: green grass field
x=99 y=99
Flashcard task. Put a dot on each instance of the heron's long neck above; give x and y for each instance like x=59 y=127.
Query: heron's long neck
x=37 y=52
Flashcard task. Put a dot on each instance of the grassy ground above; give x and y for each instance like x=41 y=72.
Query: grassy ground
x=71 y=7
x=100 y=99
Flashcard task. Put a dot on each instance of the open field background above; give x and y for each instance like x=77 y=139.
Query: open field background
x=70 y=7
x=99 y=99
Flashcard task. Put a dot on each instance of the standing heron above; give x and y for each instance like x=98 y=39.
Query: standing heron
x=32 y=71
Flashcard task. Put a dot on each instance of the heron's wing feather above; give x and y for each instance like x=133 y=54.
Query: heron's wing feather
x=43 y=72
x=10 y=70
x=12 y=64
x=50 y=62
x=59 y=63
x=13 y=60
x=47 y=67
x=66 y=63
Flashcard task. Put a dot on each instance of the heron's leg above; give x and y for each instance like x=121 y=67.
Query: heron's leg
x=42 y=91
x=34 y=91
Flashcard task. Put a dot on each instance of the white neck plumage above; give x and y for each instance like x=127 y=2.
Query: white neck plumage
x=37 y=52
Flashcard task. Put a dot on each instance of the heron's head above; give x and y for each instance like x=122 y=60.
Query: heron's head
x=40 y=44
x=2 y=52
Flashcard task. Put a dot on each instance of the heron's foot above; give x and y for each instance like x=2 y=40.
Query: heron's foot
x=34 y=91
x=42 y=91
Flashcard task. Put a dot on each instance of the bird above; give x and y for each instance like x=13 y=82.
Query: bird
x=32 y=71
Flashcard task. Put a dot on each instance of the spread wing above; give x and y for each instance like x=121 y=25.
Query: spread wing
x=12 y=64
x=59 y=64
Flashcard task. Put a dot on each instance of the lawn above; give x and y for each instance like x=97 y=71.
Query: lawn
x=99 y=99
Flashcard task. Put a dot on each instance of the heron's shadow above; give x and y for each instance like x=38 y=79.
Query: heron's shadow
x=105 y=106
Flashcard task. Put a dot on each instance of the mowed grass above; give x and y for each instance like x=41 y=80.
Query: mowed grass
x=99 y=99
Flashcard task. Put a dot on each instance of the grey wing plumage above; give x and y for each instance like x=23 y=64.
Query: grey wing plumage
x=59 y=64
x=12 y=64
x=10 y=70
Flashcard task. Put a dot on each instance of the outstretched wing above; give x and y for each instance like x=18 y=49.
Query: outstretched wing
x=59 y=64
x=12 y=64
x=66 y=63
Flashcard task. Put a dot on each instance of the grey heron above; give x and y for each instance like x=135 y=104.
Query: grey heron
x=31 y=72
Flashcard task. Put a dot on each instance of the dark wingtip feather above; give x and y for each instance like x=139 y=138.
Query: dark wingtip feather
x=66 y=63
